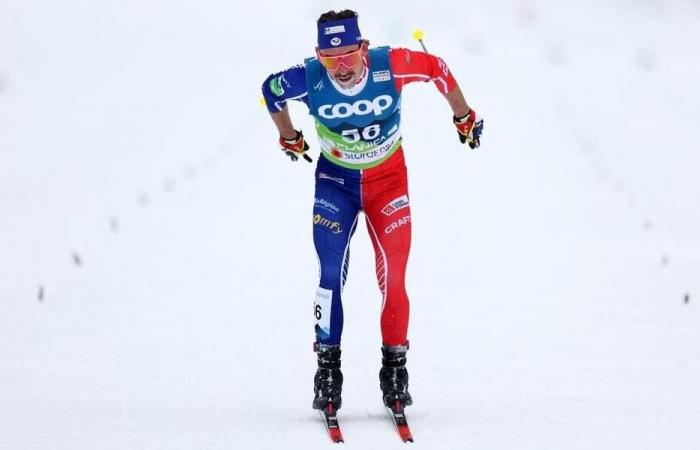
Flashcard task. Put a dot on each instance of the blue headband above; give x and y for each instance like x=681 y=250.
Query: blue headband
x=338 y=33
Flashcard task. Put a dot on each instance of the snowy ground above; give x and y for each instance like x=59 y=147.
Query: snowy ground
x=156 y=265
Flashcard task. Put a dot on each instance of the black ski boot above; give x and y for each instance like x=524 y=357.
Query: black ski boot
x=393 y=376
x=328 y=382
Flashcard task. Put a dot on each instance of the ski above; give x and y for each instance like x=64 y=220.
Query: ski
x=399 y=418
x=330 y=419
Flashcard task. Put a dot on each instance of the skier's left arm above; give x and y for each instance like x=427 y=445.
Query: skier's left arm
x=409 y=66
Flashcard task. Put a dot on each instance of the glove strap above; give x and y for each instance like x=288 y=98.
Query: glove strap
x=465 y=123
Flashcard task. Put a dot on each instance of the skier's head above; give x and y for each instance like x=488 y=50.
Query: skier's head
x=341 y=49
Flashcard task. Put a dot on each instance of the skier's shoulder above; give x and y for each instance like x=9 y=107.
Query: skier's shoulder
x=402 y=57
x=288 y=84
x=290 y=78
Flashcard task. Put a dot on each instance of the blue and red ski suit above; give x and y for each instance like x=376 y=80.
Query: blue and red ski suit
x=361 y=168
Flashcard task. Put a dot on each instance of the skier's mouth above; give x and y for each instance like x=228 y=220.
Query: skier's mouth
x=344 y=78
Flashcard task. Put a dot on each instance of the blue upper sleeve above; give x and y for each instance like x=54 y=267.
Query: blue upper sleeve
x=286 y=85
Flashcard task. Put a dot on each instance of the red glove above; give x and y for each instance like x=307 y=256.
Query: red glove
x=295 y=147
x=469 y=128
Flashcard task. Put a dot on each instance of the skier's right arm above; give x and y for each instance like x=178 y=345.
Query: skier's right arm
x=277 y=89
x=409 y=66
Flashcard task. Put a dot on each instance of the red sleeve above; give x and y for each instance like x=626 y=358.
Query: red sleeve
x=408 y=66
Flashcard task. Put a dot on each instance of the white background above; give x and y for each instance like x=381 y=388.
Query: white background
x=548 y=270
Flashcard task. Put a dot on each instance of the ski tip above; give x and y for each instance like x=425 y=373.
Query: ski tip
x=337 y=438
x=331 y=422
x=397 y=410
x=335 y=435
x=406 y=437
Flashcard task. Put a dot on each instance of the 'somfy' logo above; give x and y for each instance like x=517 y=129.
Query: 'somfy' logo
x=322 y=221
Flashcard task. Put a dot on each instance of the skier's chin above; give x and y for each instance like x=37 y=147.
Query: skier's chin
x=346 y=80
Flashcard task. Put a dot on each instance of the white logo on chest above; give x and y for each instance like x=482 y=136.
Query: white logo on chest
x=361 y=108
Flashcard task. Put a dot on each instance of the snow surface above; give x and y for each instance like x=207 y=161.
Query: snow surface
x=157 y=271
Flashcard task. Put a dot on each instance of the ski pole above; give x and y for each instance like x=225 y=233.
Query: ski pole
x=418 y=35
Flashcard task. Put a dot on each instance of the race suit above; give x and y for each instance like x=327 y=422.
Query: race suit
x=361 y=168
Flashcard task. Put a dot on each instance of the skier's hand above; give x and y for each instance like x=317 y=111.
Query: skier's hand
x=295 y=147
x=469 y=128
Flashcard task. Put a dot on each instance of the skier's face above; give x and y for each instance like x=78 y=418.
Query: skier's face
x=345 y=64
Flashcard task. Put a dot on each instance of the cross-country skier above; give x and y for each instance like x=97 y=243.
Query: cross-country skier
x=354 y=94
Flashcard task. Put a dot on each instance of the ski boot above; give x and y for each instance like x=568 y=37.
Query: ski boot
x=393 y=376
x=328 y=382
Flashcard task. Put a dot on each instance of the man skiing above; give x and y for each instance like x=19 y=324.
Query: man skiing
x=354 y=94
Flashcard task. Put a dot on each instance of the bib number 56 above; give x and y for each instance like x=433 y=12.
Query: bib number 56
x=368 y=133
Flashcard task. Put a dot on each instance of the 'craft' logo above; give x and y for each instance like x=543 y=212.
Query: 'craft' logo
x=333 y=226
x=398 y=224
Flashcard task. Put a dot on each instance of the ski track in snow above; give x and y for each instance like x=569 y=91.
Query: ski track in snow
x=156 y=252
